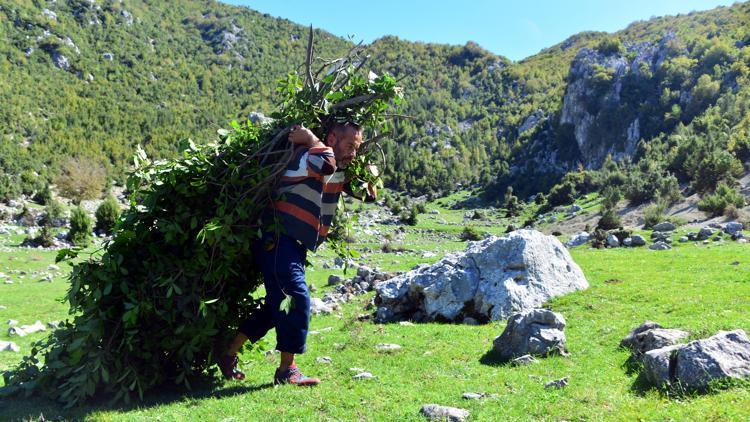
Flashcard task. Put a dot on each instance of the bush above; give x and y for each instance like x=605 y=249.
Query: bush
x=80 y=227
x=478 y=215
x=53 y=214
x=43 y=239
x=410 y=217
x=610 y=45
x=716 y=203
x=81 y=179
x=44 y=196
x=420 y=207
x=540 y=198
x=562 y=194
x=471 y=233
x=609 y=220
x=107 y=215
x=654 y=214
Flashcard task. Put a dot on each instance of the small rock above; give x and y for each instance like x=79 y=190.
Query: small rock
x=324 y=359
x=2 y=308
x=473 y=396
x=628 y=241
x=470 y=321
x=317 y=306
x=665 y=226
x=9 y=346
x=660 y=246
x=684 y=239
x=612 y=241
x=53 y=267
x=356 y=369
x=429 y=255
x=406 y=323
x=334 y=280
x=578 y=239
x=53 y=324
x=535 y=332
x=637 y=240
x=444 y=413
x=387 y=347
x=524 y=360
x=733 y=227
x=557 y=384
x=12 y=322
x=363 y=376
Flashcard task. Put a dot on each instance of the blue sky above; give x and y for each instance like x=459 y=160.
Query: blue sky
x=515 y=29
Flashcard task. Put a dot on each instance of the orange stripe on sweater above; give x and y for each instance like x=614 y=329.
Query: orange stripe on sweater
x=297 y=212
x=333 y=187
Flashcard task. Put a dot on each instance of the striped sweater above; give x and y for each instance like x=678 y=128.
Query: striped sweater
x=308 y=194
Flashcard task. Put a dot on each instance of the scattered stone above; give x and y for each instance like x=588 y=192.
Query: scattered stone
x=557 y=384
x=660 y=246
x=12 y=323
x=108 y=56
x=2 y=308
x=733 y=227
x=53 y=324
x=24 y=330
x=536 y=332
x=628 y=241
x=524 y=360
x=317 y=306
x=578 y=239
x=9 y=346
x=637 y=240
x=53 y=267
x=429 y=255
x=612 y=241
x=684 y=239
x=472 y=396
x=664 y=226
x=705 y=233
x=8 y=282
x=470 y=321
x=334 y=280
x=406 y=323
x=657 y=365
x=363 y=376
x=356 y=369
x=387 y=347
x=444 y=413
x=324 y=359
x=491 y=280
x=49 y=14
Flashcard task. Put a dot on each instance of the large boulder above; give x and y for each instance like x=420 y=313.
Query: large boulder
x=491 y=280
x=664 y=226
x=696 y=365
x=725 y=355
x=733 y=227
x=637 y=240
x=649 y=336
x=539 y=332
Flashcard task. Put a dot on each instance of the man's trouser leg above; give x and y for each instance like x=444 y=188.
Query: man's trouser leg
x=282 y=261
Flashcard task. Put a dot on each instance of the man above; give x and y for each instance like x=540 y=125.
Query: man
x=307 y=198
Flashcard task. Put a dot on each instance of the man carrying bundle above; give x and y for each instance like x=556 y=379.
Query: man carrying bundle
x=306 y=200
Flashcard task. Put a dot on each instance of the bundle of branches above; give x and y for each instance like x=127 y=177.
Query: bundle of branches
x=177 y=277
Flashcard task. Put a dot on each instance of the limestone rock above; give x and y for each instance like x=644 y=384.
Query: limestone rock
x=491 y=280
x=444 y=413
x=724 y=355
x=9 y=346
x=637 y=240
x=537 y=332
x=578 y=239
x=665 y=226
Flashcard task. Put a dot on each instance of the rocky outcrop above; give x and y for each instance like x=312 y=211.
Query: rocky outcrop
x=491 y=280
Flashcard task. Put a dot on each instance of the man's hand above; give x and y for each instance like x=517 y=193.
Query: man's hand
x=302 y=136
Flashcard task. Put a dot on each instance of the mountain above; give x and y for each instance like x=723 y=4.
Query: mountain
x=91 y=79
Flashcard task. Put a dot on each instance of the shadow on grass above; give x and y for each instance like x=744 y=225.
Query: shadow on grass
x=18 y=408
x=493 y=358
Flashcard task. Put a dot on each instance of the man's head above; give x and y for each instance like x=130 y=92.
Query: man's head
x=345 y=139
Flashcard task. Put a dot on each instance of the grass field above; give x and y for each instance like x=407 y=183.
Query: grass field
x=695 y=287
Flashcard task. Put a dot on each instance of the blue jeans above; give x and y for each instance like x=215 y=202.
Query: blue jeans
x=282 y=261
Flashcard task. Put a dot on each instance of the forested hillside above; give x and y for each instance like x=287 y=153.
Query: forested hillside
x=91 y=79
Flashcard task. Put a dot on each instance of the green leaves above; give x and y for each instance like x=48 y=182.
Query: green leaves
x=287 y=304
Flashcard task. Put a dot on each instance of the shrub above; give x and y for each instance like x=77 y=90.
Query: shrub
x=609 y=220
x=478 y=215
x=715 y=203
x=610 y=45
x=420 y=207
x=81 y=179
x=43 y=239
x=80 y=227
x=410 y=217
x=471 y=233
x=540 y=198
x=107 y=215
x=44 y=196
x=53 y=214
x=562 y=194
x=654 y=214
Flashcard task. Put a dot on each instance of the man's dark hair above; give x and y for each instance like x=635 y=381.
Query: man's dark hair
x=338 y=127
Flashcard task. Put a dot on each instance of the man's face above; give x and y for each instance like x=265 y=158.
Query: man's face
x=345 y=143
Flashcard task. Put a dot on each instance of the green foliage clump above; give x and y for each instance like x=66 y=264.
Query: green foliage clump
x=177 y=277
x=81 y=179
x=410 y=217
x=654 y=214
x=107 y=215
x=471 y=233
x=716 y=203
x=80 y=227
x=610 y=45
